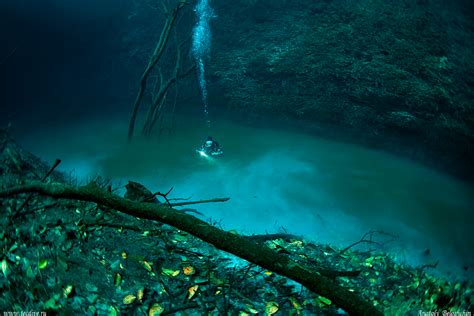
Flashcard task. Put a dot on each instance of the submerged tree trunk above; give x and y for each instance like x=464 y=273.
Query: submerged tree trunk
x=241 y=246
x=157 y=53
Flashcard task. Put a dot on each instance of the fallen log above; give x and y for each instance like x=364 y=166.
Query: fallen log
x=241 y=246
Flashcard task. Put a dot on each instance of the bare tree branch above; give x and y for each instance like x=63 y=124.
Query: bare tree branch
x=157 y=53
x=13 y=51
x=240 y=246
x=363 y=239
x=200 y=202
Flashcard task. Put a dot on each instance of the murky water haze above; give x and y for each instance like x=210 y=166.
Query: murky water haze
x=327 y=191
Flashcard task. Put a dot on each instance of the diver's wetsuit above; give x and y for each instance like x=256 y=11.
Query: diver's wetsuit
x=213 y=150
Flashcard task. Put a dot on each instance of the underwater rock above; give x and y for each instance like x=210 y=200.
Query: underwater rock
x=138 y=192
x=403 y=120
x=364 y=72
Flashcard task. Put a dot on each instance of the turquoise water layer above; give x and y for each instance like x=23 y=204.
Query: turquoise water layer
x=327 y=191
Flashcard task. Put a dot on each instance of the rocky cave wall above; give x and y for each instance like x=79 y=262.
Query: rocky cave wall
x=392 y=74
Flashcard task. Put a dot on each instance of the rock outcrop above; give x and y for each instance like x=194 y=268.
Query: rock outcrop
x=396 y=75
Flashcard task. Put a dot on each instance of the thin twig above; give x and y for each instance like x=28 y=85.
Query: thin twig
x=200 y=202
x=18 y=210
x=364 y=240
x=164 y=195
x=8 y=56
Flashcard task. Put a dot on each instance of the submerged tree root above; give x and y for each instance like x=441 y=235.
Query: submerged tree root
x=241 y=246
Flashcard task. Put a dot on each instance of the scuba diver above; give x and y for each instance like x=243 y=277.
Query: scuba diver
x=210 y=148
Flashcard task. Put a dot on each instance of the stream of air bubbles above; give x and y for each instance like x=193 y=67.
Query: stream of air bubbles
x=201 y=47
